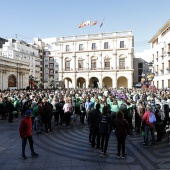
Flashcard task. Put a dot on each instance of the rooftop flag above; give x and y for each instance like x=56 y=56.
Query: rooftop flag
x=102 y=23
x=81 y=25
x=87 y=23
x=94 y=23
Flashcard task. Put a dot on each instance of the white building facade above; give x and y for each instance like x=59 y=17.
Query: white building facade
x=14 y=74
x=160 y=46
x=20 y=54
x=50 y=60
x=20 y=50
x=97 y=60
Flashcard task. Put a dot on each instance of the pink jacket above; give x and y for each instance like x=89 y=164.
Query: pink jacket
x=145 y=119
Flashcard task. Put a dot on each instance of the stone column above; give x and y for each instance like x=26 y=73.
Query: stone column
x=87 y=69
x=1 y=81
x=101 y=61
x=114 y=80
x=114 y=60
x=67 y=83
x=60 y=76
x=130 y=80
x=130 y=56
x=87 y=82
x=74 y=62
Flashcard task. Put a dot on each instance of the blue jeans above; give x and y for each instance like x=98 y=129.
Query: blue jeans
x=152 y=130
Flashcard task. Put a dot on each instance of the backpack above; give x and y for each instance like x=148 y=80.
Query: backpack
x=152 y=118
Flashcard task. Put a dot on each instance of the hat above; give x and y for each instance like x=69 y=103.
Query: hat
x=28 y=112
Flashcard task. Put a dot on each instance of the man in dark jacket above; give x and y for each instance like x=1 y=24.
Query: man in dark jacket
x=105 y=128
x=95 y=126
x=47 y=115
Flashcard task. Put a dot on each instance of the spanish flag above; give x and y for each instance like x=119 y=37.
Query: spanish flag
x=87 y=23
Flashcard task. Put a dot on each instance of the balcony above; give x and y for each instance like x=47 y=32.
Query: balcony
x=67 y=69
x=106 y=68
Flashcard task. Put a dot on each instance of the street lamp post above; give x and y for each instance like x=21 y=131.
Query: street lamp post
x=31 y=79
x=148 y=76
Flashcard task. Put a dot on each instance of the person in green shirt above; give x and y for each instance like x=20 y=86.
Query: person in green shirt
x=114 y=106
x=17 y=106
x=119 y=102
x=101 y=105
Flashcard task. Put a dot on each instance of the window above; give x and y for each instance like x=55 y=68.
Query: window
x=140 y=65
x=51 y=65
x=80 y=64
x=162 y=51
x=106 y=45
x=51 y=60
x=67 y=65
x=56 y=65
x=93 y=64
x=51 y=72
x=168 y=47
x=107 y=64
x=46 y=66
x=56 y=71
x=93 y=46
x=162 y=66
x=122 y=63
x=80 y=47
x=162 y=83
x=67 y=48
x=122 y=45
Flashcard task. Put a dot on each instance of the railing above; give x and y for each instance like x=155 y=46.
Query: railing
x=95 y=69
x=94 y=36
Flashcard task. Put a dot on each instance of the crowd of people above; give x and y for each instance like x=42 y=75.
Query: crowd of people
x=102 y=110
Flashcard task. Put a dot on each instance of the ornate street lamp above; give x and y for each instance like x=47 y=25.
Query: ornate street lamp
x=31 y=81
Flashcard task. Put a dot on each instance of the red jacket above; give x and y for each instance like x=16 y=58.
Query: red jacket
x=145 y=119
x=25 y=128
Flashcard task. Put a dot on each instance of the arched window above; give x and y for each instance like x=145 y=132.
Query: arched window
x=93 y=62
x=80 y=64
x=107 y=64
x=122 y=62
x=12 y=81
x=67 y=64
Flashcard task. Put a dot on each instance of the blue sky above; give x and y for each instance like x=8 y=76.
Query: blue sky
x=57 y=18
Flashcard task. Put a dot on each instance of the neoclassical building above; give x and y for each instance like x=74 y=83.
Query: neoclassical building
x=97 y=60
x=14 y=74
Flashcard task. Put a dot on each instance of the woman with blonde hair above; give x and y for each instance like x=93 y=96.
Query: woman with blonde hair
x=67 y=112
x=55 y=112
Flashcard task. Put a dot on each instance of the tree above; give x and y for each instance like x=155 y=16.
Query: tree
x=40 y=85
x=51 y=83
